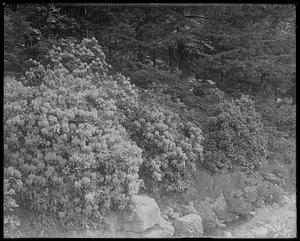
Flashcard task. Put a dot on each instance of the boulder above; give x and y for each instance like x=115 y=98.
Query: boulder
x=163 y=229
x=227 y=234
x=111 y=222
x=187 y=209
x=189 y=225
x=157 y=234
x=221 y=225
x=238 y=206
x=262 y=232
x=251 y=194
x=144 y=215
x=209 y=218
x=164 y=216
x=220 y=205
x=165 y=225
x=175 y=216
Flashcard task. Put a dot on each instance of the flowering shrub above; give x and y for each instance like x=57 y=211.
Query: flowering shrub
x=234 y=136
x=12 y=184
x=77 y=58
x=171 y=146
x=62 y=131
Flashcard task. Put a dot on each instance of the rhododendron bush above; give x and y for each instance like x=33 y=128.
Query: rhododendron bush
x=85 y=140
x=12 y=184
x=62 y=132
x=234 y=136
x=171 y=146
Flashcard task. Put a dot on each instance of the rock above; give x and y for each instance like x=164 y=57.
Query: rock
x=175 y=216
x=165 y=225
x=220 y=205
x=163 y=229
x=188 y=210
x=209 y=218
x=157 y=234
x=189 y=225
x=111 y=222
x=164 y=216
x=238 y=206
x=271 y=178
x=251 y=194
x=262 y=232
x=227 y=234
x=252 y=213
x=221 y=225
x=144 y=215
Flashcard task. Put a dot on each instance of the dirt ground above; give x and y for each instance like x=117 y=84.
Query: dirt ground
x=269 y=222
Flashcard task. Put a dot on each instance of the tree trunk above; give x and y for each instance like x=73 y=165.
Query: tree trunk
x=139 y=49
x=85 y=24
x=140 y=55
x=172 y=58
x=222 y=76
x=182 y=59
x=109 y=47
x=139 y=36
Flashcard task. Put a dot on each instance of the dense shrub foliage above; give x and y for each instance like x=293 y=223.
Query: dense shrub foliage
x=279 y=115
x=280 y=125
x=62 y=132
x=234 y=136
x=282 y=157
x=68 y=125
x=77 y=58
x=171 y=146
x=12 y=184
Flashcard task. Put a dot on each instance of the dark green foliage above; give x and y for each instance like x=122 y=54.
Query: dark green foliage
x=62 y=134
x=281 y=115
x=67 y=129
x=171 y=146
x=282 y=158
x=11 y=187
x=12 y=184
x=234 y=137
